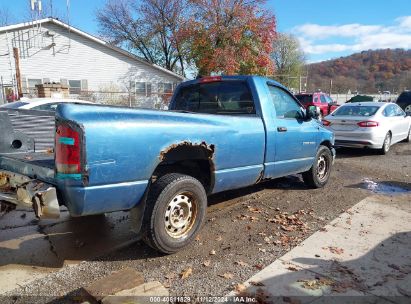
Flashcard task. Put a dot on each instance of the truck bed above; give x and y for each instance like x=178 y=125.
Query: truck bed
x=41 y=159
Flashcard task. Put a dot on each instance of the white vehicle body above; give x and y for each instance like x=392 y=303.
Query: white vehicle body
x=45 y=104
x=367 y=124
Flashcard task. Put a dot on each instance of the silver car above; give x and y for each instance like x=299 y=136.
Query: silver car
x=375 y=125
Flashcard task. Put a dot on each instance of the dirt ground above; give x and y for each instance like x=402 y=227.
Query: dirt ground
x=245 y=231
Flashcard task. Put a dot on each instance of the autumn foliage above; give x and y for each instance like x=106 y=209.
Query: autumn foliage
x=229 y=37
x=367 y=72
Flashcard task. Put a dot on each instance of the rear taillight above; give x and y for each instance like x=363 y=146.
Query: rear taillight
x=367 y=124
x=68 y=156
x=326 y=122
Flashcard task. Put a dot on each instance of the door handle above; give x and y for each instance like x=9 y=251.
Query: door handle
x=281 y=129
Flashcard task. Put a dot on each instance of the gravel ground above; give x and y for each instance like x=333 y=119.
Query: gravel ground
x=245 y=231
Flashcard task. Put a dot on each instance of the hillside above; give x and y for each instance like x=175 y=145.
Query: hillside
x=366 y=72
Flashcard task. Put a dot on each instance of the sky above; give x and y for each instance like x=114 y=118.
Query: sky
x=326 y=29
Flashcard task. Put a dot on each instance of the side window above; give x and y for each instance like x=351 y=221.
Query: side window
x=323 y=100
x=399 y=111
x=316 y=99
x=389 y=111
x=329 y=99
x=285 y=106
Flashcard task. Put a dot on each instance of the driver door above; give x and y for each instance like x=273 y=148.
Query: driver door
x=294 y=139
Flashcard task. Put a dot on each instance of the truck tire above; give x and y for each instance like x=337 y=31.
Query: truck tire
x=319 y=173
x=175 y=211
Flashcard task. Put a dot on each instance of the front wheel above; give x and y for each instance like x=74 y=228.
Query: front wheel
x=175 y=211
x=319 y=173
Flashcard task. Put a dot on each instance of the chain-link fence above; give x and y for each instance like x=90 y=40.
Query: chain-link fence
x=154 y=100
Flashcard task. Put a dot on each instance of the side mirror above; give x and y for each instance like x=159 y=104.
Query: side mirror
x=313 y=112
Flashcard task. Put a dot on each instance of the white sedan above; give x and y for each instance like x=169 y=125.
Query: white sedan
x=373 y=125
x=42 y=104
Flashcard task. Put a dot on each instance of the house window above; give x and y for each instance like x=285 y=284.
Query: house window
x=165 y=87
x=74 y=86
x=32 y=82
x=140 y=88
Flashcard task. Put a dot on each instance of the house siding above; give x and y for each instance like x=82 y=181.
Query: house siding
x=67 y=55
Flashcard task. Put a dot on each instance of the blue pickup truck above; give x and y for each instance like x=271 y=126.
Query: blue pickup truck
x=219 y=133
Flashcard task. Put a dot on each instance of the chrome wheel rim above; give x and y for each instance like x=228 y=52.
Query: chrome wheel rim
x=322 y=168
x=387 y=143
x=180 y=215
x=407 y=108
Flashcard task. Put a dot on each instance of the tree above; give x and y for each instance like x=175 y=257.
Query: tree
x=147 y=28
x=288 y=58
x=229 y=37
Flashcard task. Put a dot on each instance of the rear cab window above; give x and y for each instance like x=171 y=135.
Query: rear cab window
x=305 y=98
x=356 y=111
x=229 y=97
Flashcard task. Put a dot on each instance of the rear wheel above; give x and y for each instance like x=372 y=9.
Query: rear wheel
x=175 y=211
x=386 y=145
x=319 y=173
x=408 y=138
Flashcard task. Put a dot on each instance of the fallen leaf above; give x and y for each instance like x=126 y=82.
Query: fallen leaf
x=259 y=266
x=219 y=238
x=292 y=268
x=186 y=273
x=256 y=283
x=212 y=252
x=207 y=263
x=253 y=209
x=226 y=275
x=334 y=250
x=241 y=263
x=28 y=157
x=239 y=288
x=197 y=238
x=262 y=250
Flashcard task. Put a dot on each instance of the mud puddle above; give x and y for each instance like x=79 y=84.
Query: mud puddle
x=388 y=188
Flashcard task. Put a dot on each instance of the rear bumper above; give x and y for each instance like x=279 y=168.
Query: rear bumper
x=23 y=191
x=357 y=144
x=359 y=139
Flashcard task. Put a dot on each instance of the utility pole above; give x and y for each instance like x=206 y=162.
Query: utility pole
x=331 y=86
x=18 y=76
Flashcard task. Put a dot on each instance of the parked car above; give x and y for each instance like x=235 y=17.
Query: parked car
x=220 y=133
x=404 y=101
x=319 y=99
x=373 y=125
x=41 y=104
x=360 y=98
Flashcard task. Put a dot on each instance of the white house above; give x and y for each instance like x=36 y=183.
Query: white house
x=52 y=51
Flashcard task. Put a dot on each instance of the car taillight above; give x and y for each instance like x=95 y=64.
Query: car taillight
x=326 y=122
x=368 y=123
x=67 y=150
